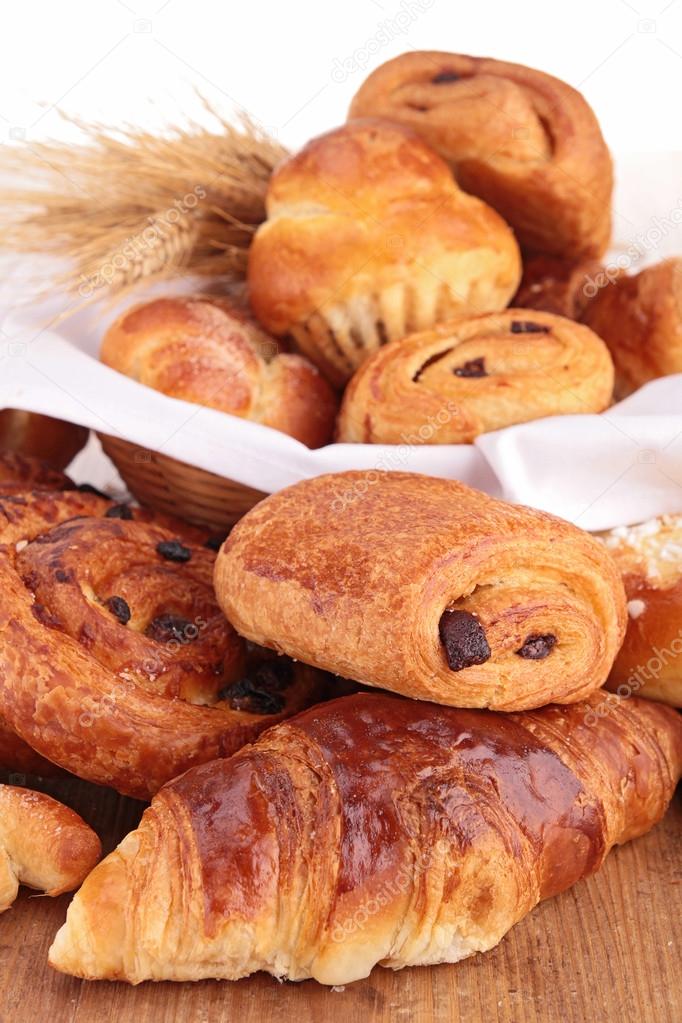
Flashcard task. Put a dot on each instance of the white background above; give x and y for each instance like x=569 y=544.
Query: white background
x=295 y=65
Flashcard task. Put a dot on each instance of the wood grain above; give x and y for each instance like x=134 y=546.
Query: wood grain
x=608 y=949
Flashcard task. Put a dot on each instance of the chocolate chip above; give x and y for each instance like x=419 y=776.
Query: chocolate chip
x=464 y=639
x=166 y=627
x=87 y=488
x=528 y=327
x=119 y=609
x=246 y=695
x=537 y=646
x=274 y=675
x=173 y=550
x=472 y=368
x=214 y=543
x=119 y=511
x=445 y=76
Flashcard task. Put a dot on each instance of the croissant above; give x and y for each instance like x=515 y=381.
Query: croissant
x=368 y=238
x=525 y=142
x=371 y=830
x=20 y=472
x=43 y=844
x=426 y=587
x=115 y=660
x=208 y=351
x=475 y=374
x=640 y=319
x=650 y=557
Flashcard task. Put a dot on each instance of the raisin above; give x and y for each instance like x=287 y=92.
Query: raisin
x=464 y=639
x=528 y=327
x=119 y=511
x=173 y=550
x=119 y=608
x=246 y=695
x=445 y=76
x=472 y=368
x=166 y=627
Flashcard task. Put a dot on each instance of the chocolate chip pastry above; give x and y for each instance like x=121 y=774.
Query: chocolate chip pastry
x=115 y=660
x=371 y=830
x=475 y=374
x=425 y=587
x=368 y=238
x=525 y=142
x=649 y=555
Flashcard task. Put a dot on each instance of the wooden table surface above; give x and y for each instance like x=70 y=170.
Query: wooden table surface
x=609 y=949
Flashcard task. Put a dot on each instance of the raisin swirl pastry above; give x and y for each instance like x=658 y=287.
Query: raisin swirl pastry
x=473 y=375
x=115 y=660
x=368 y=238
x=525 y=142
x=371 y=830
x=210 y=351
x=43 y=844
x=649 y=662
x=426 y=587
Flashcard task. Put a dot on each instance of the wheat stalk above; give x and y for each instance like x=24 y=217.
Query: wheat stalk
x=129 y=206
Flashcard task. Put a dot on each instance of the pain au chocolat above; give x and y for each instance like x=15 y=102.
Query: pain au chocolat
x=476 y=374
x=524 y=141
x=367 y=238
x=426 y=587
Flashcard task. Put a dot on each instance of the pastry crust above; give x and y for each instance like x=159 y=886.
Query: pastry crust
x=353 y=572
x=649 y=662
x=472 y=375
x=371 y=830
x=43 y=844
x=369 y=238
x=19 y=472
x=525 y=142
x=115 y=660
x=640 y=319
x=559 y=287
x=209 y=351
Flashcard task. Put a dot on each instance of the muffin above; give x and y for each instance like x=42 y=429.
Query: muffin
x=369 y=238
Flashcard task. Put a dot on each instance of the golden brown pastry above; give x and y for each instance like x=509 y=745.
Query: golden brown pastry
x=42 y=437
x=640 y=319
x=208 y=351
x=649 y=662
x=371 y=830
x=426 y=587
x=525 y=142
x=17 y=757
x=115 y=660
x=20 y=472
x=43 y=844
x=559 y=287
x=369 y=238
x=473 y=375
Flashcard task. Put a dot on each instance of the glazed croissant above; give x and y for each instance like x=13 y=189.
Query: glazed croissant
x=115 y=660
x=371 y=830
x=426 y=587
x=43 y=844
x=475 y=374
x=525 y=142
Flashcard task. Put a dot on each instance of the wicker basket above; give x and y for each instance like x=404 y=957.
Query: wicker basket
x=180 y=489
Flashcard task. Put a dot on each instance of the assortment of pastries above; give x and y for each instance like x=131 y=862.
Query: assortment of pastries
x=425 y=263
